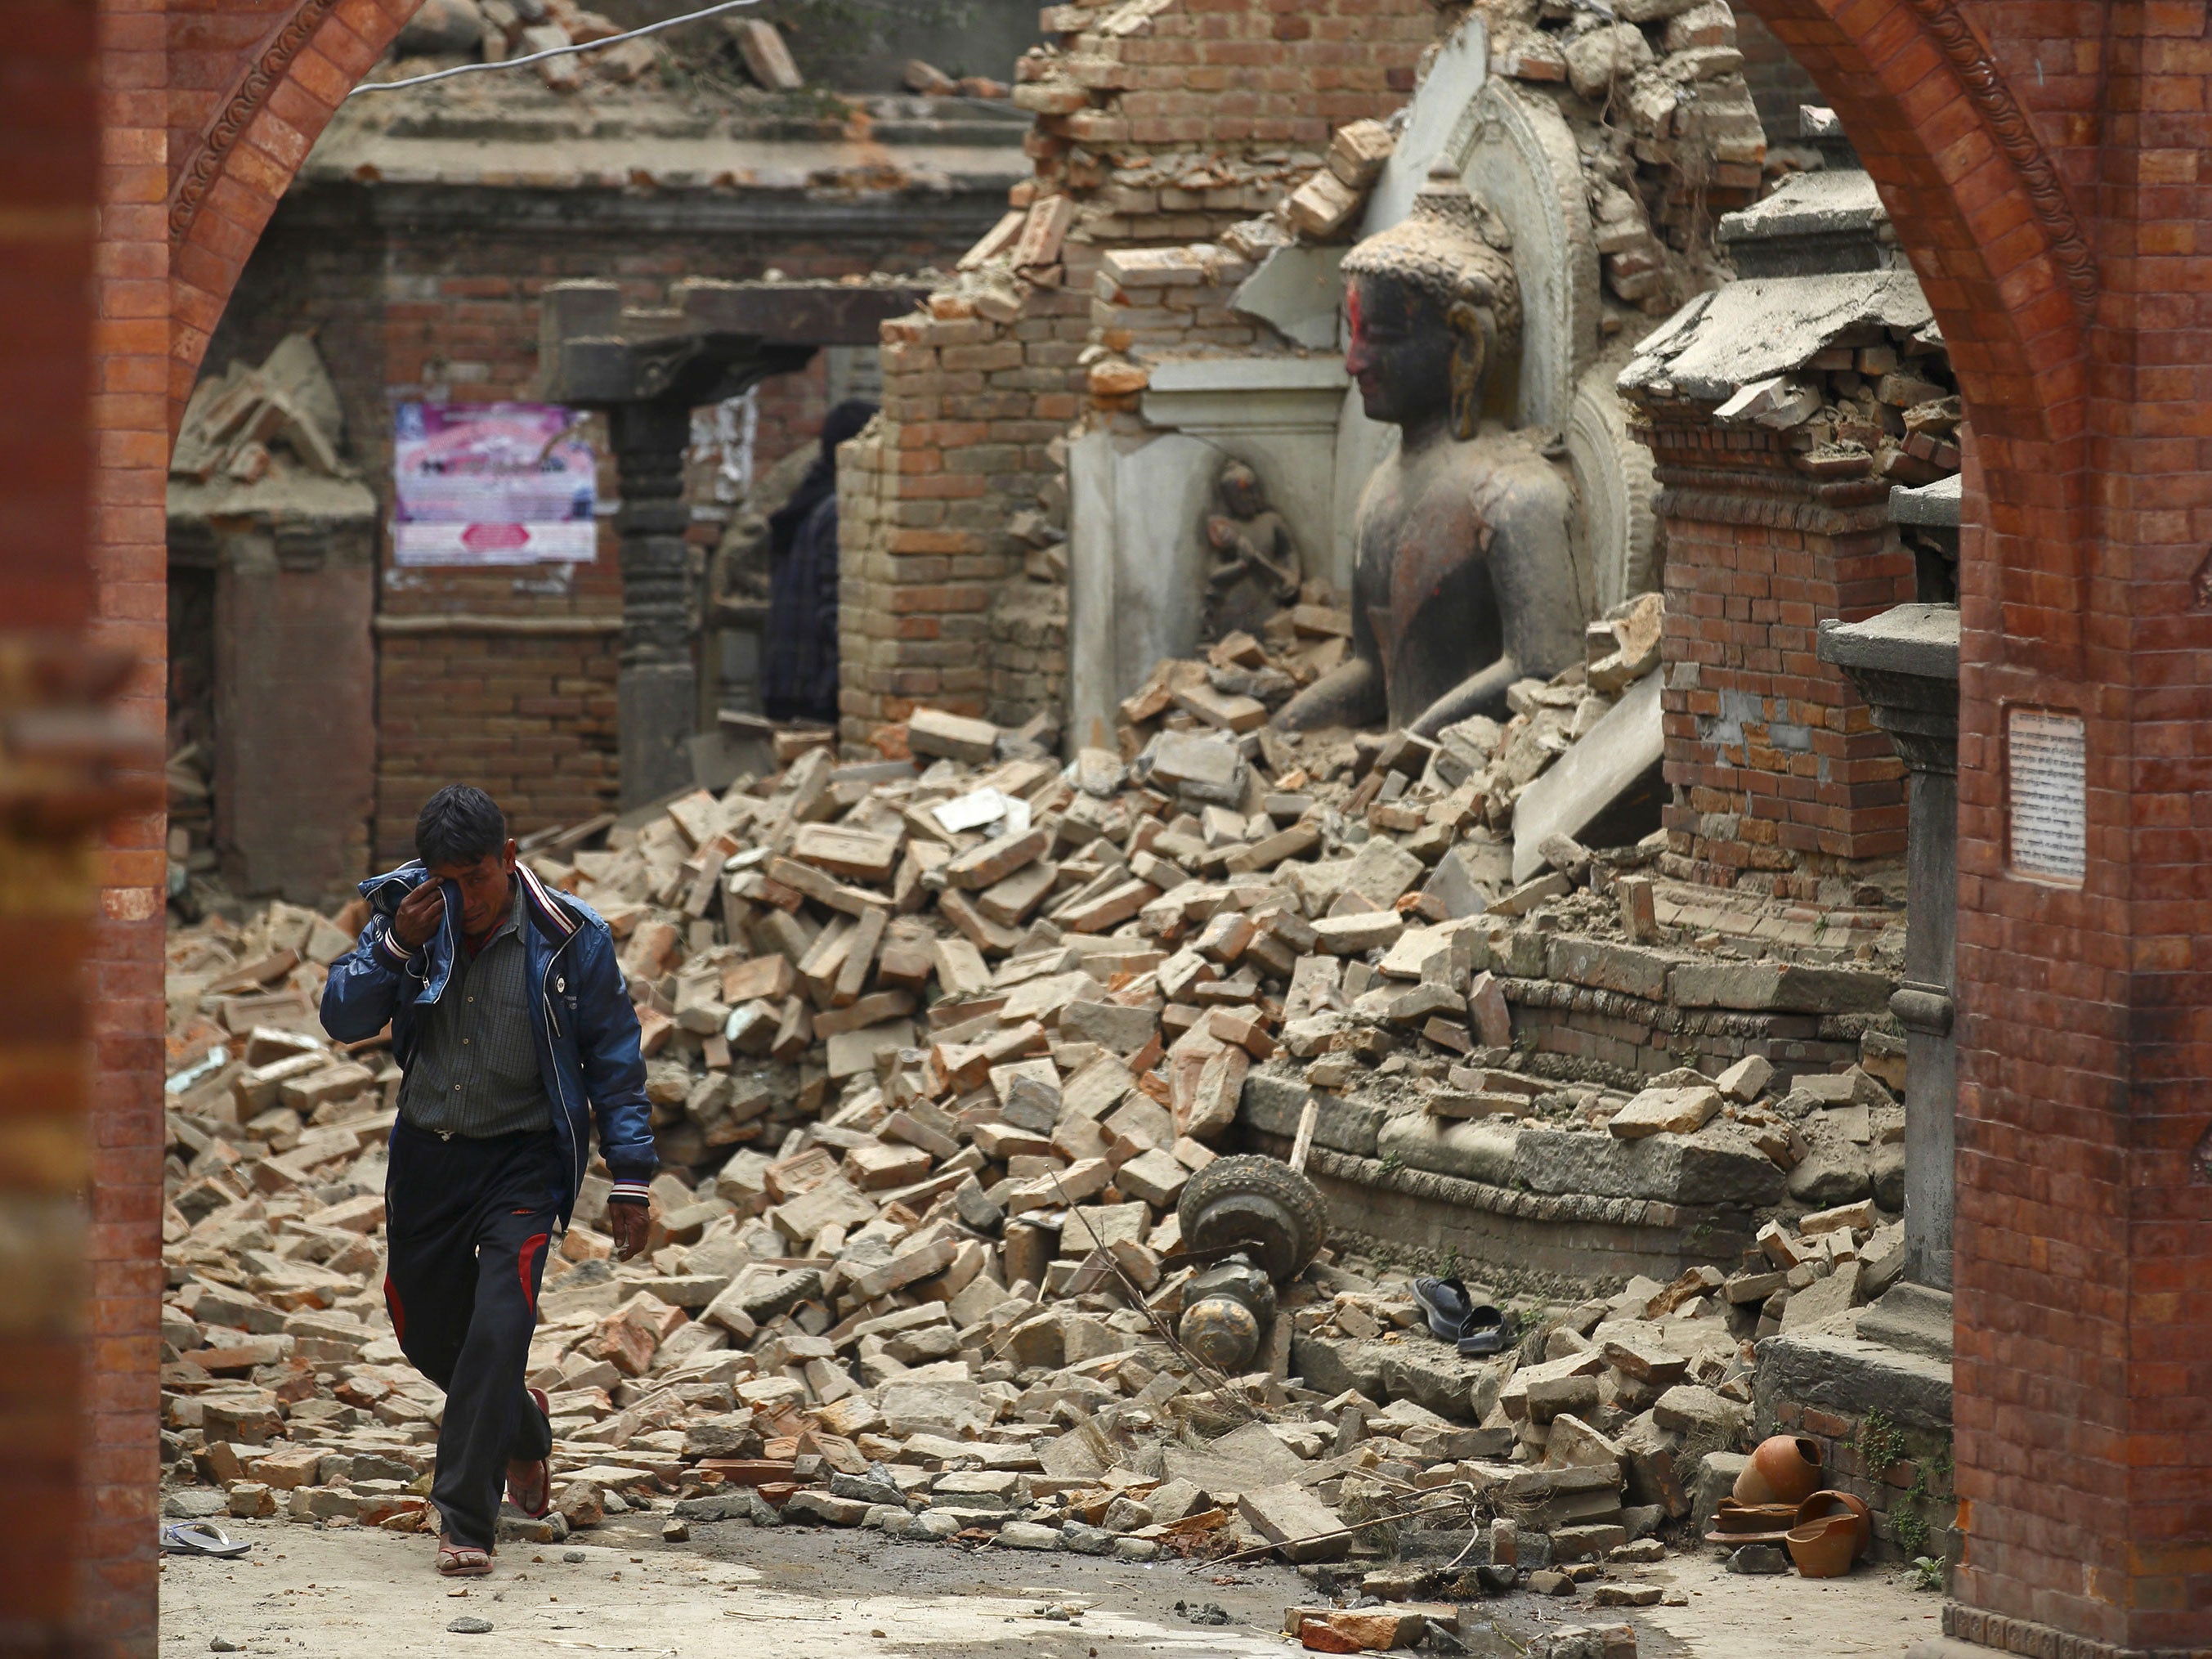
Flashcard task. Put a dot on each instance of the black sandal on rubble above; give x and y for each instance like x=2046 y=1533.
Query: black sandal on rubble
x=1482 y=1333
x=1444 y=1301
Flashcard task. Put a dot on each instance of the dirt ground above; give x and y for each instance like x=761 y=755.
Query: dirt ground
x=782 y=1594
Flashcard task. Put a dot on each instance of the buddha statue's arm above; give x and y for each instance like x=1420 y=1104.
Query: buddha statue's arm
x=1532 y=577
x=1353 y=694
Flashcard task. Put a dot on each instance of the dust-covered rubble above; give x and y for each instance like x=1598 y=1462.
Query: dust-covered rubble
x=942 y=1045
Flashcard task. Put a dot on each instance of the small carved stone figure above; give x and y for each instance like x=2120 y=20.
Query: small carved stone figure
x=1256 y=567
x=1465 y=575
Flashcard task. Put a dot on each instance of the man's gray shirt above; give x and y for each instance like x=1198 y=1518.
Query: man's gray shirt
x=475 y=1070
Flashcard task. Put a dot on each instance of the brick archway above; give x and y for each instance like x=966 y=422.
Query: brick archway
x=2040 y=162
x=239 y=162
x=202 y=120
x=2030 y=157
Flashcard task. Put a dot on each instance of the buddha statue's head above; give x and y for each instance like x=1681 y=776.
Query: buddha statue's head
x=1434 y=305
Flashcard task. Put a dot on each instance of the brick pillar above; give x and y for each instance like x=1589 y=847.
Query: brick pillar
x=972 y=405
x=130 y=415
x=49 y=129
x=921 y=521
x=1780 y=777
x=2053 y=219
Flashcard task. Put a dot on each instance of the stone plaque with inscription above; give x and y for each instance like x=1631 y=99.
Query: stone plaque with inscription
x=2046 y=755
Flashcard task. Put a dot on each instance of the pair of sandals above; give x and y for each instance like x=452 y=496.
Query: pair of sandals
x=1476 y=1329
x=529 y=1488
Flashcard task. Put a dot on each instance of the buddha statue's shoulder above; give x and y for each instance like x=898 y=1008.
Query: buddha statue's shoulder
x=1521 y=477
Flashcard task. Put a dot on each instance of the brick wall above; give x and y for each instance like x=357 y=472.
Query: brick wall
x=971 y=407
x=1202 y=115
x=1778 y=83
x=128 y=529
x=51 y=130
x=1778 y=772
x=2042 y=163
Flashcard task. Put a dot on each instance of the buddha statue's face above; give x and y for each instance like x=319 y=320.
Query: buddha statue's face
x=1400 y=352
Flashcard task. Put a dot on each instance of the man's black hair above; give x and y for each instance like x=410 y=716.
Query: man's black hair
x=458 y=825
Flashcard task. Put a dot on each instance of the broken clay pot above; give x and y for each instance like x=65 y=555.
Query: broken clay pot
x=1784 y=1469
x=1826 y=1548
x=1733 y=1517
x=1822 y=1504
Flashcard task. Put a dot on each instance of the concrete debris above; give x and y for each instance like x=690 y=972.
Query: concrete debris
x=767 y=59
x=1846 y=366
x=494 y=31
x=246 y=424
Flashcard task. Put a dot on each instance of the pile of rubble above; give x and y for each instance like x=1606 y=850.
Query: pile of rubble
x=493 y=30
x=936 y=1045
x=1877 y=398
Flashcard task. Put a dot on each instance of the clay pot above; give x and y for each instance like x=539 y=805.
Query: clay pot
x=1825 y=1548
x=1822 y=1504
x=1784 y=1469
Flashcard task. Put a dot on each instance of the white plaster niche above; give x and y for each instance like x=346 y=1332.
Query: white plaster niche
x=1279 y=416
x=1136 y=566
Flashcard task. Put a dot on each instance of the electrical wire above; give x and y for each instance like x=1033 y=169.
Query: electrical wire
x=553 y=51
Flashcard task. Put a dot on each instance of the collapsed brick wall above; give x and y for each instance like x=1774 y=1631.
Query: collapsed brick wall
x=1172 y=299
x=973 y=406
x=410 y=308
x=1780 y=776
x=1157 y=126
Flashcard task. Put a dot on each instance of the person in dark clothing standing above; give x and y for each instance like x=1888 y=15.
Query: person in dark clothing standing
x=508 y=1014
x=798 y=679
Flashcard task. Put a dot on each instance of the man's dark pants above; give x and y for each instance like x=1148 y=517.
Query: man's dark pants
x=468 y=1224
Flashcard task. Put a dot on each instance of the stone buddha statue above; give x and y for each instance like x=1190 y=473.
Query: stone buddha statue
x=1466 y=574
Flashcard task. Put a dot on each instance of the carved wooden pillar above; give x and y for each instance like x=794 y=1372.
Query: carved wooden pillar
x=657 y=694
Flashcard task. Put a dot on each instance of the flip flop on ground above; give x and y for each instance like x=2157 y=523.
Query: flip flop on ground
x=202 y=1537
x=461 y=1561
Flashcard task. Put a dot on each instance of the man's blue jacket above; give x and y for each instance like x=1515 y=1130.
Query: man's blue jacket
x=587 y=1031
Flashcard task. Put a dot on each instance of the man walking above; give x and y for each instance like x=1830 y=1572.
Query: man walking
x=508 y=1014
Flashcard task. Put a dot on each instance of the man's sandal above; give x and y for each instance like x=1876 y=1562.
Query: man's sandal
x=461 y=1561
x=530 y=1482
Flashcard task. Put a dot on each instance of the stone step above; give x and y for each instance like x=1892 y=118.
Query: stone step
x=1914 y=1318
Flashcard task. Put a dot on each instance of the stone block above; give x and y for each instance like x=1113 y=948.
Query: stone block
x=1297 y=1522
x=1667 y=1111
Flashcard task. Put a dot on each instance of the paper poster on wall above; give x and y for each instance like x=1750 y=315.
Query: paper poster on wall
x=492 y=483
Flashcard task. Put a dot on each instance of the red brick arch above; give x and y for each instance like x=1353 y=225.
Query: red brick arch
x=1978 y=200
x=2039 y=159
x=237 y=167
x=1982 y=200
